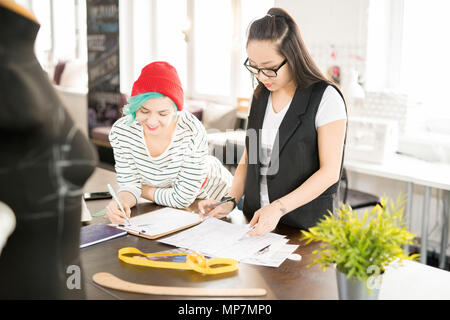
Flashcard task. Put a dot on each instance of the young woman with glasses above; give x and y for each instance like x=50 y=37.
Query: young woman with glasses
x=290 y=170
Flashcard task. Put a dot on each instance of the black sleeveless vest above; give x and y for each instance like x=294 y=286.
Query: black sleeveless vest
x=298 y=156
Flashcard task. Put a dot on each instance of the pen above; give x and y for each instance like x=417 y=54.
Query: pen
x=245 y=235
x=111 y=190
x=266 y=248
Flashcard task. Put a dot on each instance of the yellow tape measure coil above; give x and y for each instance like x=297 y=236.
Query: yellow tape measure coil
x=194 y=261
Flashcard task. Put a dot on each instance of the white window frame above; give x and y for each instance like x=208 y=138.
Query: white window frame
x=234 y=57
x=51 y=63
x=393 y=44
x=129 y=71
x=433 y=123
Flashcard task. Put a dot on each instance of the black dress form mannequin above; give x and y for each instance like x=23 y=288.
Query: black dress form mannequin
x=45 y=161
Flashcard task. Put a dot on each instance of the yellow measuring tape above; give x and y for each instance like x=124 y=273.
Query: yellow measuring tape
x=194 y=261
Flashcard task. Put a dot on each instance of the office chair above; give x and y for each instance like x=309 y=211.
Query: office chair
x=355 y=198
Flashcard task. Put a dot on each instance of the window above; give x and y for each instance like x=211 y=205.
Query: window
x=64 y=29
x=250 y=11
x=219 y=47
x=43 y=44
x=407 y=51
x=213 y=35
x=204 y=39
x=80 y=30
x=220 y=38
x=62 y=34
x=171 y=39
x=425 y=53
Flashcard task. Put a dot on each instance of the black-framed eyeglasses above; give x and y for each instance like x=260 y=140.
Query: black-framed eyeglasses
x=271 y=73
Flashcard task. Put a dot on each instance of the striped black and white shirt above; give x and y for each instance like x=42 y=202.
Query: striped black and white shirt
x=182 y=173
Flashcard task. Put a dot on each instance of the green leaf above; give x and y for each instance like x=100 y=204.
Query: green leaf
x=354 y=243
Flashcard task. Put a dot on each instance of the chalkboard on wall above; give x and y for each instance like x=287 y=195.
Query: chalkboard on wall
x=103 y=62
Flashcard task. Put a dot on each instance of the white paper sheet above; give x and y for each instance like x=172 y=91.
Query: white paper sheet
x=161 y=221
x=209 y=237
x=274 y=256
x=217 y=238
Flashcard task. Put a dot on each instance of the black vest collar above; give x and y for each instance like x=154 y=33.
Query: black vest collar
x=291 y=121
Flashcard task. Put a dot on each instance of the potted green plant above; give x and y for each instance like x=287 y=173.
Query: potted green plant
x=361 y=247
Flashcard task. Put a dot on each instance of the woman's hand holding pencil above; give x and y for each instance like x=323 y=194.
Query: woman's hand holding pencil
x=114 y=213
x=114 y=208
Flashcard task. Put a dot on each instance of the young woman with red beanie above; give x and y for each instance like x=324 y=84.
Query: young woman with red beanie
x=161 y=151
x=296 y=131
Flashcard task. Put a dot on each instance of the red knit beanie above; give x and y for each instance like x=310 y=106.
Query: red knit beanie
x=160 y=77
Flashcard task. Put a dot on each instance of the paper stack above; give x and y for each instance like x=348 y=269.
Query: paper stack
x=217 y=238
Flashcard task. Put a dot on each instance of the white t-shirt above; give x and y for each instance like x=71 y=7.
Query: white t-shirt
x=331 y=108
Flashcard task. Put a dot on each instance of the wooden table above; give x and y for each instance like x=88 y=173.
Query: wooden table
x=292 y=280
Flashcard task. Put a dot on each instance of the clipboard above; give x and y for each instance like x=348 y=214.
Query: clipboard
x=152 y=237
x=159 y=223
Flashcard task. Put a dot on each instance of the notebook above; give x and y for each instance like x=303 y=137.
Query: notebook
x=158 y=223
x=96 y=233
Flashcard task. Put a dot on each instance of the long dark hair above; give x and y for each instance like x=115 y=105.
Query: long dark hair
x=278 y=26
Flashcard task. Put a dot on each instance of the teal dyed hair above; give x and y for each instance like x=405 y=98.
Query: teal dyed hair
x=136 y=102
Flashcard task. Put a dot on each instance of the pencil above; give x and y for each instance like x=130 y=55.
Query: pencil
x=213 y=205
x=111 y=190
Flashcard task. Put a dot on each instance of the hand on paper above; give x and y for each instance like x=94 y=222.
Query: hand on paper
x=113 y=211
x=264 y=220
x=216 y=212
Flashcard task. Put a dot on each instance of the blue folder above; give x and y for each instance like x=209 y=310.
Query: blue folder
x=96 y=233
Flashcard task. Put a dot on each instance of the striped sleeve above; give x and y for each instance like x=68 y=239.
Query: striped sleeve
x=190 y=179
x=126 y=171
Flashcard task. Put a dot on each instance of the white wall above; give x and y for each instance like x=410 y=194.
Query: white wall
x=329 y=21
x=76 y=103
